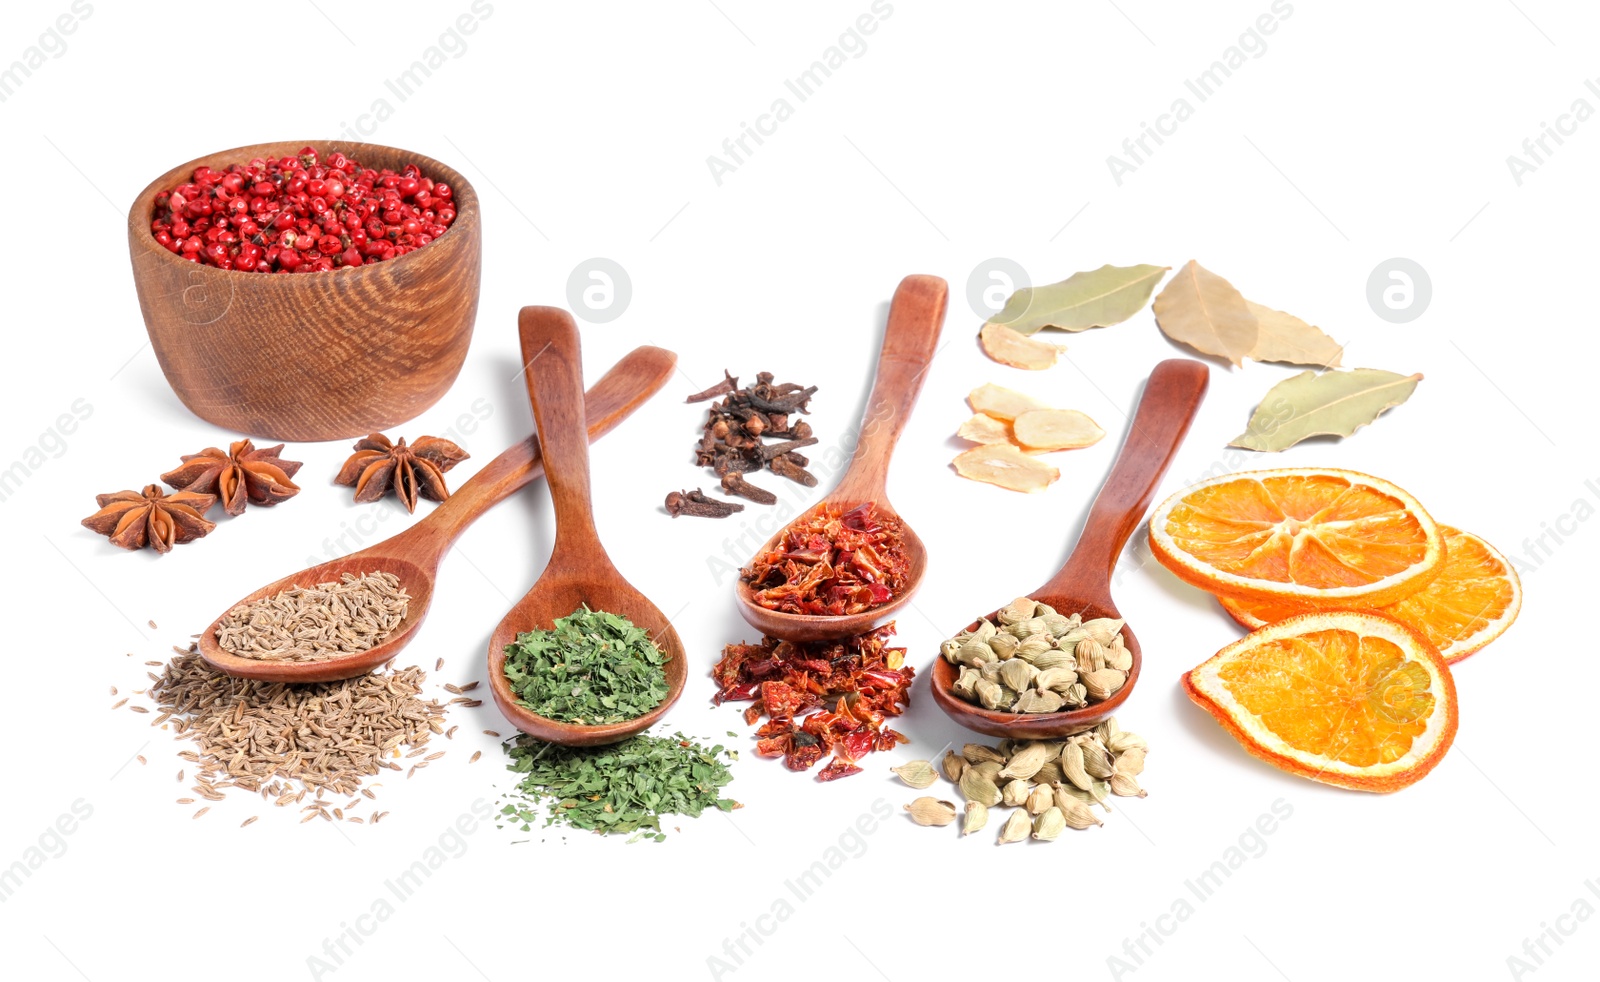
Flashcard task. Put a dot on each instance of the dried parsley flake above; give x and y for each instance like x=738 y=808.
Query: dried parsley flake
x=592 y=668
x=623 y=787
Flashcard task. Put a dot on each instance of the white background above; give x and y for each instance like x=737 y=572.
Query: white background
x=1365 y=131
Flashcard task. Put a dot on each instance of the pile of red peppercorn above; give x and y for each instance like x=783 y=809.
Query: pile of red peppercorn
x=301 y=215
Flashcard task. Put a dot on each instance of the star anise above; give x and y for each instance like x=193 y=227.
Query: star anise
x=378 y=466
x=135 y=519
x=243 y=474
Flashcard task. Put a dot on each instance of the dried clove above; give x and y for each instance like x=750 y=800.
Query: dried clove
x=696 y=503
x=784 y=403
x=784 y=465
x=722 y=388
x=773 y=450
x=734 y=483
x=735 y=463
x=737 y=426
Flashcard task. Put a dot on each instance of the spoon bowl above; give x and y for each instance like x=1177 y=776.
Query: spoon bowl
x=1037 y=726
x=558 y=596
x=910 y=340
x=415 y=554
x=1172 y=395
x=819 y=627
x=579 y=571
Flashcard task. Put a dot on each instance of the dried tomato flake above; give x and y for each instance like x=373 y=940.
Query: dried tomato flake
x=865 y=682
x=836 y=769
x=830 y=563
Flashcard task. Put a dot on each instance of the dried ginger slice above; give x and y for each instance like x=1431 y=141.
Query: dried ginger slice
x=1011 y=347
x=983 y=428
x=1000 y=402
x=1007 y=467
x=1056 y=429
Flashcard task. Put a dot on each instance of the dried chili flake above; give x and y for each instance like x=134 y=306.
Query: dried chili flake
x=831 y=562
x=819 y=697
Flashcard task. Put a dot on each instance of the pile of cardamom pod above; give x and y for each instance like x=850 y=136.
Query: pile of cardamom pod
x=1038 y=661
x=1052 y=784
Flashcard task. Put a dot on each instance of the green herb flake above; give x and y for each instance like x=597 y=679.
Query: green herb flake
x=621 y=788
x=593 y=668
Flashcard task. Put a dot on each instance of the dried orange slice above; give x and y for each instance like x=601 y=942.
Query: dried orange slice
x=1309 y=536
x=1352 y=699
x=1471 y=602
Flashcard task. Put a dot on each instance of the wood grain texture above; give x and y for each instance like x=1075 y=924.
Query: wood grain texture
x=910 y=340
x=311 y=356
x=1171 y=398
x=579 y=571
x=415 y=554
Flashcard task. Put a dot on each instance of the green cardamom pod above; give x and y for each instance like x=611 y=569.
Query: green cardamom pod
x=1039 y=799
x=1055 y=659
x=1050 y=773
x=976 y=787
x=917 y=773
x=977 y=817
x=932 y=811
x=1049 y=824
x=975 y=653
x=1130 y=763
x=1056 y=624
x=1038 y=701
x=1075 y=811
x=977 y=753
x=1019 y=609
x=1119 y=657
x=1103 y=684
x=1096 y=760
x=1055 y=679
x=1103 y=629
x=1004 y=646
x=1018 y=827
x=991 y=695
x=1072 y=766
x=1025 y=763
x=1122 y=742
x=952 y=764
x=1015 y=793
x=1017 y=674
x=1126 y=786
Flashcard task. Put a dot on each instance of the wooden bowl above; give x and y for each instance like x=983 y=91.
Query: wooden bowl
x=311 y=356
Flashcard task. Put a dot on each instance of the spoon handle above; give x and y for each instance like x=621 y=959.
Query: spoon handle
x=909 y=342
x=552 y=362
x=1172 y=395
x=640 y=374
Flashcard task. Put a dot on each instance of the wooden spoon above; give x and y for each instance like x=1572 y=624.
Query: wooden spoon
x=1171 y=397
x=414 y=555
x=579 y=571
x=909 y=343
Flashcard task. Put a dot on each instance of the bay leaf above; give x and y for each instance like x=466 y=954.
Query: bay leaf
x=1335 y=403
x=1288 y=339
x=1095 y=298
x=1200 y=309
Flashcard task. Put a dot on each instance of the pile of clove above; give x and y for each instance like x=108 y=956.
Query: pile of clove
x=734 y=442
